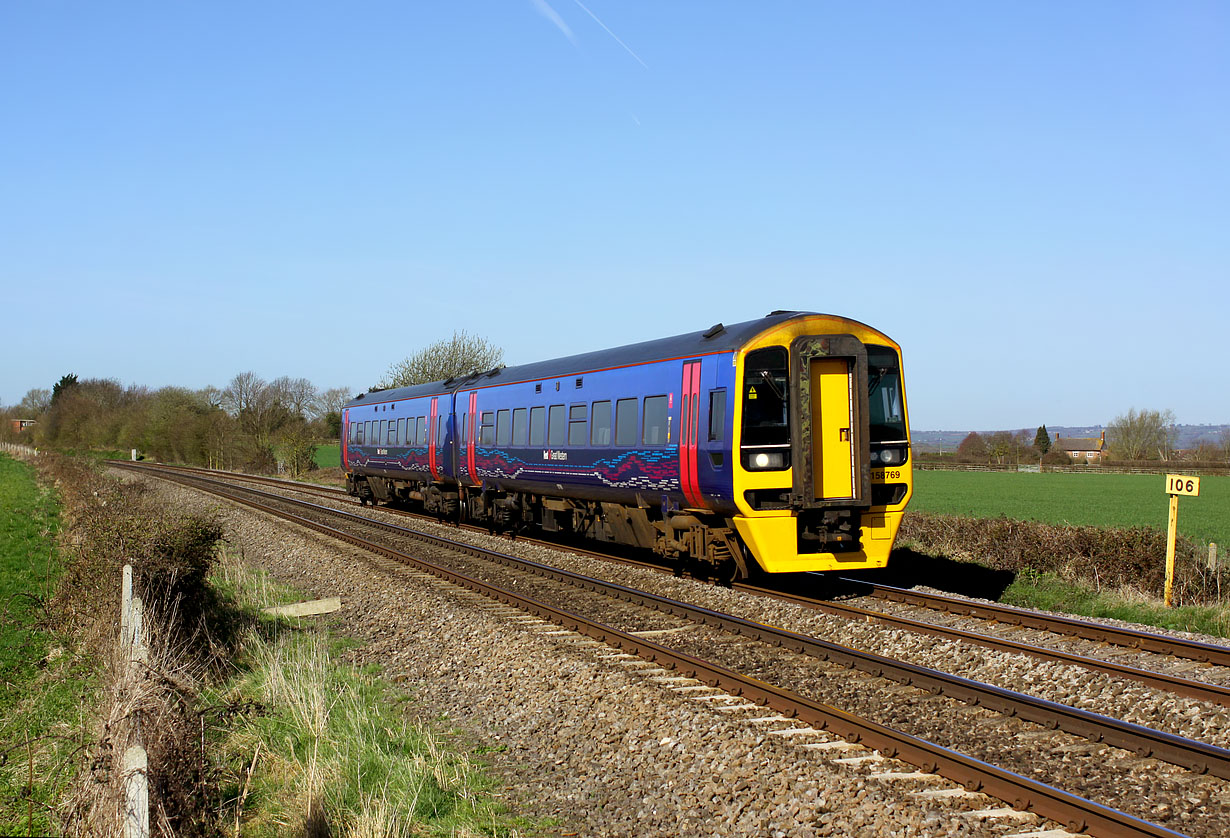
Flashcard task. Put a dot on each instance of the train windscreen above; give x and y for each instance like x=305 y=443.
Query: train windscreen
x=884 y=395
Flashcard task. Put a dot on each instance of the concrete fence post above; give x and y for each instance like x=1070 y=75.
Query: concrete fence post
x=1213 y=556
x=136 y=793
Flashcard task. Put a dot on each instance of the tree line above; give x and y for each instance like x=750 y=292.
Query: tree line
x=250 y=424
x=1134 y=436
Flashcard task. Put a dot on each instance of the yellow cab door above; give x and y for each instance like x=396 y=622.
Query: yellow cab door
x=832 y=421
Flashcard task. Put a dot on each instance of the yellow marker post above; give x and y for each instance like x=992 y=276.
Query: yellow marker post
x=1176 y=484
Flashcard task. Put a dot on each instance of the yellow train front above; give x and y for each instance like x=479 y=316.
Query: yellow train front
x=823 y=471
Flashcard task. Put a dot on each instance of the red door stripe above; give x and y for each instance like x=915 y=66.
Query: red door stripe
x=689 y=478
x=432 y=442
x=470 y=437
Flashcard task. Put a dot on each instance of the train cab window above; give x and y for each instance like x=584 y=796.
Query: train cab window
x=766 y=410
x=538 y=426
x=519 y=426
x=557 y=425
x=486 y=433
x=653 y=428
x=576 y=424
x=503 y=427
x=717 y=414
x=625 y=422
x=600 y=424
x=884 y=395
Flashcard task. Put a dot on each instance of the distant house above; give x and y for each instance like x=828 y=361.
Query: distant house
x=1081 y=448
x=20 y=425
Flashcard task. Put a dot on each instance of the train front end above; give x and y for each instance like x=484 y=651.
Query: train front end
x=823 y=471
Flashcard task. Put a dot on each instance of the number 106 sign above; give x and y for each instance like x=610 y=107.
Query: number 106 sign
x=1179 y=484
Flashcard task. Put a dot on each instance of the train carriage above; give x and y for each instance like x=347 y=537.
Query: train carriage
x=780 y=444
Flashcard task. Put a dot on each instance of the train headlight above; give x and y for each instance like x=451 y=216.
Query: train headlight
x=766 y=461
x=888 y=456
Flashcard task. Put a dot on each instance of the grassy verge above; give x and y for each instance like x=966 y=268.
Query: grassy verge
x=45 y=682
x=309 y=743
x=1051 y=593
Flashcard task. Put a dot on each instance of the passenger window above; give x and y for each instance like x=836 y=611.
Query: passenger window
x=391 y=437
x=503 y=427
x=486 y=434
x=519 y=417
x=600 y=424
x=717 y=414
x=422 y=430
x=538 y=426
x=439 y=430
x=576 y=424
x=653 y=429
x=625 y=422
x=557 y=425
x=358 y=433
x=465 y=428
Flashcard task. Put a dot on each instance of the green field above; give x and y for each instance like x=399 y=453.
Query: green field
x=328 y=456
x=1104 y=500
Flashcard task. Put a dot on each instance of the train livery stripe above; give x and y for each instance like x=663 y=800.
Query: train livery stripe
x=470 y=436
x=432 y=463
x=688 y=478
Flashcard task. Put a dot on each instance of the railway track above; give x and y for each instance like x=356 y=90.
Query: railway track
x=1092 y=646
x=789 y=698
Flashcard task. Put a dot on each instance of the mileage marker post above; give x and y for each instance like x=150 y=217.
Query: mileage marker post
x=1176 y=484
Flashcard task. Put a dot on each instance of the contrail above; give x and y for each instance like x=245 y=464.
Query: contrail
x=550 y=14
x=604 y=26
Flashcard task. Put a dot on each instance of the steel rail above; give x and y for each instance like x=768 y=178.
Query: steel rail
x=1077 y=813
x=1199 y=757
x=1132 y=638
x=1186 y=687
x=1200 y=690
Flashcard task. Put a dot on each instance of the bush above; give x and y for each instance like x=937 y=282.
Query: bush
x=1105 y=557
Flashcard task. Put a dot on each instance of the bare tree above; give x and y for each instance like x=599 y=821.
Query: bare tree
x=1142 y=435
x=297 y=394
x=462 y=354
x=332 y=400
x=36 y=402
x=1223 y=441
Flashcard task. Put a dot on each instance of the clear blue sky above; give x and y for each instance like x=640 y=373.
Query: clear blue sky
x=1033 y=198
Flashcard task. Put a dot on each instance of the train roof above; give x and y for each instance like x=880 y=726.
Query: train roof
x=717 y=338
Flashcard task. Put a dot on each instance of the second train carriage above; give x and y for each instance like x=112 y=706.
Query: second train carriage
x=780 y=443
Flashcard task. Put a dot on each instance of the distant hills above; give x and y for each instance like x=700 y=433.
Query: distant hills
x=1189 y=436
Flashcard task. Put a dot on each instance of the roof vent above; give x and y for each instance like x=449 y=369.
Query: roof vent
x=715 y=329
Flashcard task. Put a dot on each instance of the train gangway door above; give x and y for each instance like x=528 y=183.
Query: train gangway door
x=832 y=424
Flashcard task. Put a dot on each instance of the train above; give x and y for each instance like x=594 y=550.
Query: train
x=777 y=445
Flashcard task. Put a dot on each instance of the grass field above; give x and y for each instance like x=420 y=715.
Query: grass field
x=329 y=456
x=1104 y=500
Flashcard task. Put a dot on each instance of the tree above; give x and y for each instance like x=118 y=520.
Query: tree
x=62 y=386
x=460 y=355
x=35 y=403
x=332 y=400
x=297 y=394
x=1142 y=435
x=1042 y=441
x=973 y=449
x=1005 y=446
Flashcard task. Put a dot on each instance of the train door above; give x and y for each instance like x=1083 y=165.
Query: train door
x=833 y=428
x=689 y=434
x=467 y=471
x=346 y=439
x=433 y=440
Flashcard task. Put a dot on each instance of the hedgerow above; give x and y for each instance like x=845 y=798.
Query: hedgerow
x=1103 y=557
